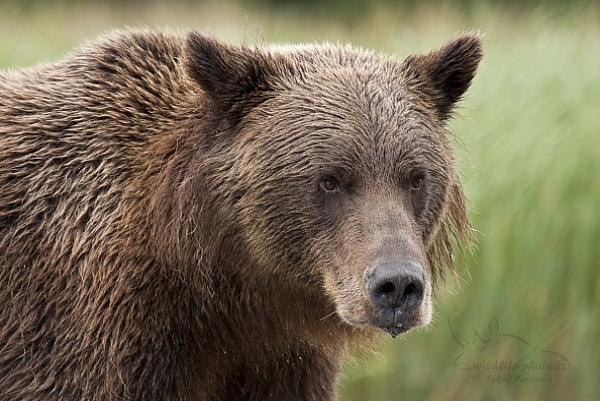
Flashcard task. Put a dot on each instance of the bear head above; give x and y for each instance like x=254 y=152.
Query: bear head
x=337 y=168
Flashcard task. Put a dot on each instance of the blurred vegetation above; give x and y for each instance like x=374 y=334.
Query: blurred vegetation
x=528 y=142
x=346 y=10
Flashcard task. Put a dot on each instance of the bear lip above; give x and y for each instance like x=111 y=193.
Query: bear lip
x=396 y=331
x=400 y=324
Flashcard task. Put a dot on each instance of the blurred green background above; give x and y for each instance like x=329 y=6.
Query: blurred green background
x=523 y=322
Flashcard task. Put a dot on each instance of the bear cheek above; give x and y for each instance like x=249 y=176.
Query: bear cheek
x=432 y=207
x=344 y=285
x=350 y=299
x=425 y=313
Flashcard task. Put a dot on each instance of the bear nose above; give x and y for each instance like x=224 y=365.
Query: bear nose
x=396 y=290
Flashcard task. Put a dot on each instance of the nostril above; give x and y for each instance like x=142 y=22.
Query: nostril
x=387 y=288
x=412 y=295
x=410 y=291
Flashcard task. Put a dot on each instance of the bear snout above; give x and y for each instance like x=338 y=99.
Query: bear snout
x=396 y=290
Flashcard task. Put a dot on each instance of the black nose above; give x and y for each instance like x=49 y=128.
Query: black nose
x=396 y=290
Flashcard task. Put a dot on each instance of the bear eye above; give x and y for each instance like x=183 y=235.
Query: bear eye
x=329 y=184
x=417 y=180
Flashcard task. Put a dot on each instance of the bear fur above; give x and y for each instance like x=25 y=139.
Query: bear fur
x=182 y=219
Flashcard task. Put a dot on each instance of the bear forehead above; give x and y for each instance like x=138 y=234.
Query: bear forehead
x=346 y=82
x=342 y=64
x=323 y=55
x=349 y=99
x=332 y=129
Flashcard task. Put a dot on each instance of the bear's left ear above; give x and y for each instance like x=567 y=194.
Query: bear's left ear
x=446 y=74
x=236 y=78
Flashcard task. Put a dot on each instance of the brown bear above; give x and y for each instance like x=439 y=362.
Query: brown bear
x=182 y=219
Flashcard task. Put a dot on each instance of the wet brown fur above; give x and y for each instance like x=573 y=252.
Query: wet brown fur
x=162 y=239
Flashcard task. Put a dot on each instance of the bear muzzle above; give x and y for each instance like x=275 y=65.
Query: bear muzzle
x=396 y=290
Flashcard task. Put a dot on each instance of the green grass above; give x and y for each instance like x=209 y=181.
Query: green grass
x=531 y=166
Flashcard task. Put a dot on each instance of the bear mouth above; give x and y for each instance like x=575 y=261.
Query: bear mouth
x=396 y=323
x=396 y=331
x=392 y=326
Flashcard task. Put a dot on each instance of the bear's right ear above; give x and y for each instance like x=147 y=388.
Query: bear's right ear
x=236 y=78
